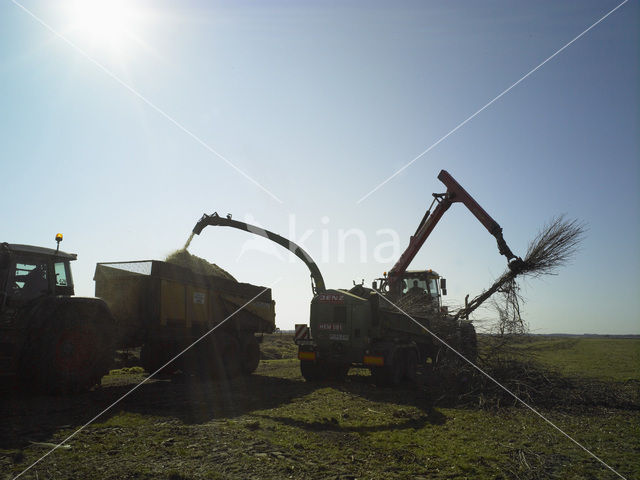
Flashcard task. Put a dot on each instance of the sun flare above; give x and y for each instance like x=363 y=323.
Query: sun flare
x=112 y=25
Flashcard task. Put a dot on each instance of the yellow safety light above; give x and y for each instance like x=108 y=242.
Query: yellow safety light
x=58 y=240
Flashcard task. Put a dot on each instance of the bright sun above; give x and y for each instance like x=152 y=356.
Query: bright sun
x=111 y=25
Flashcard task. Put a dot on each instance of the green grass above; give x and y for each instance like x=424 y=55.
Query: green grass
x=603 y=358
x=278 y=346
x=127 y=371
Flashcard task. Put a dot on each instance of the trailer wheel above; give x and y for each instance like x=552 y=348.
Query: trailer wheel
x=150 y=357
x=250 y=356
x=225 y=356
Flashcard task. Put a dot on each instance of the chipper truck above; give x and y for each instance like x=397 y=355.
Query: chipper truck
x=391 y=327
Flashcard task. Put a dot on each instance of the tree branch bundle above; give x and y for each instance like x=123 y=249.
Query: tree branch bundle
x=553 y=247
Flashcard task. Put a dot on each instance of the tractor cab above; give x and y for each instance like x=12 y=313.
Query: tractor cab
x=424 y=282
x=28 y=272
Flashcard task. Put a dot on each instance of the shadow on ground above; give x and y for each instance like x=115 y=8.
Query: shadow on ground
x=33 y=418
x=36 y=418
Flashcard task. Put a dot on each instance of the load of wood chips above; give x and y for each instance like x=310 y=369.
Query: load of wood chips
x=196 y=264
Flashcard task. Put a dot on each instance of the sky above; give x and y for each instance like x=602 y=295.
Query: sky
x=123 y=122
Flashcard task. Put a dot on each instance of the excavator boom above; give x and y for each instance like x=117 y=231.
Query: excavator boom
x=455 y=193
x=214 y=219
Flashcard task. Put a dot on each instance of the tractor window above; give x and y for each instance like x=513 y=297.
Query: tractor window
x=30 y=280
x=433 y=287
x=414 y=285
x=61 y=274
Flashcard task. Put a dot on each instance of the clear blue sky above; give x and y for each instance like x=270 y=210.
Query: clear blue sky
x=320 y=102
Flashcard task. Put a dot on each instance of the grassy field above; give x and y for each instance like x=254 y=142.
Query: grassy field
x=604 y=358
x=274 y=425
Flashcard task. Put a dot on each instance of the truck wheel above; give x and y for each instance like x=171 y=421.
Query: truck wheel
x=338 y=371
x=311 y=371
x=250 y=357
x=72 y=353
x=391 y=375
x=380 y=376
x=412 y=365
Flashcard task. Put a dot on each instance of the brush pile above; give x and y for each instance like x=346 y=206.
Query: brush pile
x=531 y=382
x=196 y=264
x=413 y=304
x=553 y=247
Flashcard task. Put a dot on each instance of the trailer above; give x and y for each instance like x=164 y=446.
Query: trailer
x=213 y=325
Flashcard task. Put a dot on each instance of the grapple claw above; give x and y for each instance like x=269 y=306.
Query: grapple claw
x=516 y=265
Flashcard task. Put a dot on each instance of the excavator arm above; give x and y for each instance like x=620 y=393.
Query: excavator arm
x=455 y=193
x=214 y=219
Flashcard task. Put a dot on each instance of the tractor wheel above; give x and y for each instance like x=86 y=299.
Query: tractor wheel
x=72 y=353
x=312 y=371
x=250 y=356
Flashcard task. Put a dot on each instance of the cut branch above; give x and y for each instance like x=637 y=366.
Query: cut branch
x=553 y=247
